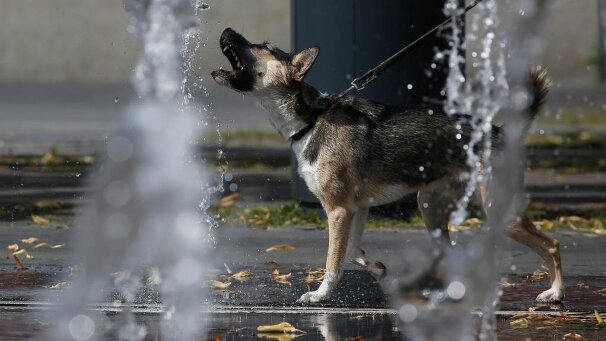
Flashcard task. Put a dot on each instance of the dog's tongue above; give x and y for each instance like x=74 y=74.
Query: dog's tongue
x=219 y=76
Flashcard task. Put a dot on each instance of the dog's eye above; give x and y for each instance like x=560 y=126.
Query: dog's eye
x=260 y=74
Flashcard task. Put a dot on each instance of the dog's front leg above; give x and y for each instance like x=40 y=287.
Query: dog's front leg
x=339 y=224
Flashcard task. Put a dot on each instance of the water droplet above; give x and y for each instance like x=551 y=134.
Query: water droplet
x=233 y=187
x=421 y=168
x=117 y=99
x=228 y=177
x=119 y=149
x=81 y=327
x=456 y=290
x=408 y=313
x=202 y=6
x=409 y=86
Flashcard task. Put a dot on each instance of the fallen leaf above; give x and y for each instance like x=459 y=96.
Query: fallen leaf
x=48 y=204
x=48 y=245
x=40 y=220
x=61 y=285
x=573 y=337
x=506 y=285
x=272 y=262
x=29 y=240
x=598 y=318
x=217 y=338
x=23 y=252
x=279 y=278
x=243 y=275
x=217 y=285
x=280 y=247
x=582 y=285
x=48 y=158
x=601 y=292
x=316 y=275
x=545 y=225
x=228 y=200
x=15 y=247
x=283 y=327
x=538 y=275
x=355 y=338
x=519 y=323
x=357 y=317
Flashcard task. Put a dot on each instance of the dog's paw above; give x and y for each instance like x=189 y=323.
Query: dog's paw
x=312 y=297
x=552 y=295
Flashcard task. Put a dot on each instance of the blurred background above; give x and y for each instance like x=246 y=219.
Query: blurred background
x=65 y=67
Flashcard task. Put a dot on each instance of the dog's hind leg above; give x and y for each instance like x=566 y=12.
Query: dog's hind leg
x=436 y=204
x=339 y=223
x=525 y=233
x=355 y=251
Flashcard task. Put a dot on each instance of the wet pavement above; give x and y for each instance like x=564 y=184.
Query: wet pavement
x=359 y=307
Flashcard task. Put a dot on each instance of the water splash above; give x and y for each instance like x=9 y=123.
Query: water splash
x=143 y=222
x=464 y=276
x=481 y=97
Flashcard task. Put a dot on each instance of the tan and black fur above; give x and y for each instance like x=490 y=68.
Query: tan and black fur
x=354 y=154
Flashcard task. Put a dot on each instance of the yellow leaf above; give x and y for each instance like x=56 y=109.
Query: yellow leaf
x=598 y=318
x=228 y=200
x=601 y=292
x=283 y=327
x=279 y=278
x=316 y=275
x=280 y=247
x=29 y=240
x=506 y=285
x=573 y=337
x=48 y=158
x=40 y=220
x=519 y=323
x=48 y=245
x=48 y=204
x=23 y=252
x=219 y=285
x=13 y=247
x=582 y=285
x=538 y=275
x=545 y=225
x=242 y=275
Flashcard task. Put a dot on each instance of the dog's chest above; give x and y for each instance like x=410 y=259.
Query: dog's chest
x=307 y=170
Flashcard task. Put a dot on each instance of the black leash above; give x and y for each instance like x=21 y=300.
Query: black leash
x=370 y=76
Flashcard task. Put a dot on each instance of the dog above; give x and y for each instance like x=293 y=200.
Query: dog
x=354 y=154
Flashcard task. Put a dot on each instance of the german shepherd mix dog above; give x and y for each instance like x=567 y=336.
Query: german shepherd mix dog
x=354 y=154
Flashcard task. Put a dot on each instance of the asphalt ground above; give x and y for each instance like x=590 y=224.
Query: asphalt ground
x=358 y=308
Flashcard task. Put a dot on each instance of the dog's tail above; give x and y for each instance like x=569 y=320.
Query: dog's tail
x=538 y=87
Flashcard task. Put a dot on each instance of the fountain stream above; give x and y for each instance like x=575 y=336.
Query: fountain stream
x=143 y=222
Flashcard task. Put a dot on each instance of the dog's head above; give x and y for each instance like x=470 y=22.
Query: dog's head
x=261 y=66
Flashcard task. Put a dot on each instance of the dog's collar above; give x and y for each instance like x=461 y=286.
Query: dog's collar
x=330 y=100
x=301 y=133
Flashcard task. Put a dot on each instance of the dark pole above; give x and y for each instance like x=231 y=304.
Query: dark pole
x=602 y=36
x=355 y=35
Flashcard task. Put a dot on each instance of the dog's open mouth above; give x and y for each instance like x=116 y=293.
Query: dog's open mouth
x=223 y=76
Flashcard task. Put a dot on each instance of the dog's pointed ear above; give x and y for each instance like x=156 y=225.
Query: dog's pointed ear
x=303 y=61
